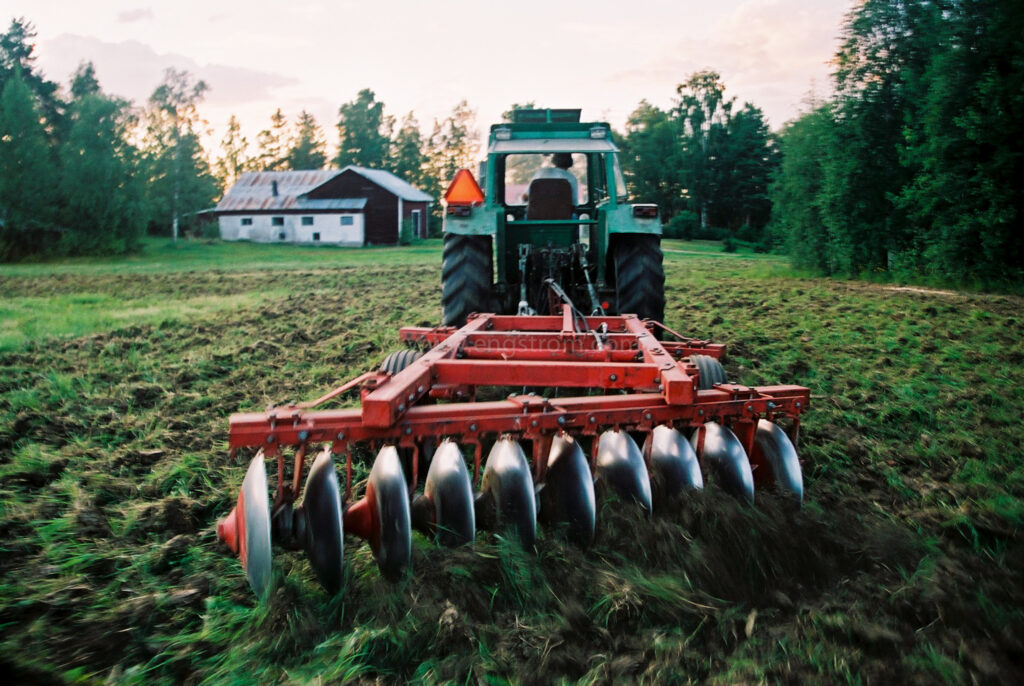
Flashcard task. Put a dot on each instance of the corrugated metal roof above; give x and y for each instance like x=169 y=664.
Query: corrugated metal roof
x=392 y=183
x=331 y=204
x=254 y=191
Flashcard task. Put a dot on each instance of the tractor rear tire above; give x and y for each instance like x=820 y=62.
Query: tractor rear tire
x=639 y=276
x=397 y=361
x=711 y=371
x=466 y=273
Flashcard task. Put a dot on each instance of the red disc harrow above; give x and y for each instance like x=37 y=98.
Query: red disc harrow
x=580 y=392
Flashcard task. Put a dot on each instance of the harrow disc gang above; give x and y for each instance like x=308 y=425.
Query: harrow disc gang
x=632 y=384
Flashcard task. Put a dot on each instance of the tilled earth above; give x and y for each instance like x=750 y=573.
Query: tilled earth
x=902 y=567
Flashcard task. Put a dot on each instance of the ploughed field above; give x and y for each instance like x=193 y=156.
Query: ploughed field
x=116 y=381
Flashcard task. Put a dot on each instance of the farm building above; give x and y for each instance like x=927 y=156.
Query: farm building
x=351 y=206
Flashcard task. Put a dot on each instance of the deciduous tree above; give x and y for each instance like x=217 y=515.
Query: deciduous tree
x=408 y=156
x=179 y=180
x=28 y=174
x=103 y=209
x=703 y=112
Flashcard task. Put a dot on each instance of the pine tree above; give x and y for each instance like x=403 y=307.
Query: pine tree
x=16 y=57
x=234 y=155
x=744 y=166
x=271 y=144
x=308 y=149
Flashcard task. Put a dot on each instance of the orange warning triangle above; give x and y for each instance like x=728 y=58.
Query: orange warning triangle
x=464 y=190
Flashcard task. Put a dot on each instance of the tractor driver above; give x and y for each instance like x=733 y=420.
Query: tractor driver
x=561 y=161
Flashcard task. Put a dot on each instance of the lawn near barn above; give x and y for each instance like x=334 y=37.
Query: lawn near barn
x=117 y=377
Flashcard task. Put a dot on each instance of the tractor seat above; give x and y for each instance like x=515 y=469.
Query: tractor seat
x=550 y=199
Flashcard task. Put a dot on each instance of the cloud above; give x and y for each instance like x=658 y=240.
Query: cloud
x=132 y=70
x=135 y=15
x=769 y=52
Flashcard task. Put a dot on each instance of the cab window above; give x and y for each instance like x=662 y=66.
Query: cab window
x=520 y=168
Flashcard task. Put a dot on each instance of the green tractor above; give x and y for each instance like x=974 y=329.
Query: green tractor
x=553 y=226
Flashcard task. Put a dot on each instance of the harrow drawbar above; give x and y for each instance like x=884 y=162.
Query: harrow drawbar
x=599 y=384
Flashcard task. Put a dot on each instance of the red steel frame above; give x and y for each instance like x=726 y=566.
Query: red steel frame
x=616 y=354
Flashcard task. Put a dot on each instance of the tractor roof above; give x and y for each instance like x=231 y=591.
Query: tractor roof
x=551 y=145
x=549 y=131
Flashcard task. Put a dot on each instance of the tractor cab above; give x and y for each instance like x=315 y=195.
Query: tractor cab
x=554 y=207
x=539 y=210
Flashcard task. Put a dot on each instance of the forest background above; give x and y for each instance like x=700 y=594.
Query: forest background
x=909 y=169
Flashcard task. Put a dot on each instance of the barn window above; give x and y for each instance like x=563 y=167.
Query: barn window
x=316 y=235
x=277 y=221
x=307 y=221
x=347 y=220
x=280 y=236
x=246 y=221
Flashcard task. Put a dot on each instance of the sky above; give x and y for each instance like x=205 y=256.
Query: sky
x=425 y=56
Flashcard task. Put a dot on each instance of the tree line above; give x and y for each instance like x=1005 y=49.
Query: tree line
x=367 y=137
x=84 y=172
x=706 y=162
x=911 y=166
x=914 y=166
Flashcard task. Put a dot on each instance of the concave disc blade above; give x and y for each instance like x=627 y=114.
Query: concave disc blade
x=321 y=506
x=725 y=457
x=254 y=526
x=389 y=504
x=773 y=445
x=450 y=492
x=620 y=464
x=507 y=482
x=568 y=494
x=674 y=462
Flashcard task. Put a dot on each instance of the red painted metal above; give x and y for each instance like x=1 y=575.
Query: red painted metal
x=361 y=518
x=646 y=382
x=231 y=530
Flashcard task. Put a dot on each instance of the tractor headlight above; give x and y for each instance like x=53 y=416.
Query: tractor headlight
x=645 y=211
x=460 y=210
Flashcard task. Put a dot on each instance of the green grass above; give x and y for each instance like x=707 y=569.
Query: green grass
x=159 y=255
x=25 y=319
x=117 y=378
x=676 y=246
